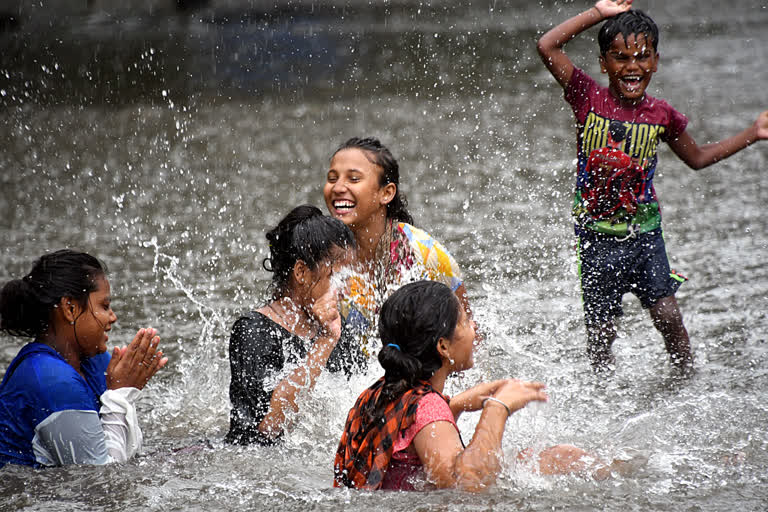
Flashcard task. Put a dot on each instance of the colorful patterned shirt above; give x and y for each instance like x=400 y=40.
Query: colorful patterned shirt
x=408 y=254
x=648 y=123
x=366 y=448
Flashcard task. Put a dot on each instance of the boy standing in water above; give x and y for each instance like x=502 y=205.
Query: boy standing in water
x=621 y=248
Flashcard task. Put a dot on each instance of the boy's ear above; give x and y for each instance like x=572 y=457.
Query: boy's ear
x=603 y=69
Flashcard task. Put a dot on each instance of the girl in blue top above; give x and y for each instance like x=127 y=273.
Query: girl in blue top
x=63 y=399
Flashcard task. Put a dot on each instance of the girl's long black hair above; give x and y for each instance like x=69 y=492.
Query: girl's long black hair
x=414 y=318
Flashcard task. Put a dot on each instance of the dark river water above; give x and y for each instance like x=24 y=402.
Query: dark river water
x=167 y=142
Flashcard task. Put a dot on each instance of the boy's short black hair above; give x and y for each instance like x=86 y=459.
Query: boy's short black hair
x=627 y=23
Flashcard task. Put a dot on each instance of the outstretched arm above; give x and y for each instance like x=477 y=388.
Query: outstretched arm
x=475 y=467
x=698 y=157
x=550 y=46
x=472 y=399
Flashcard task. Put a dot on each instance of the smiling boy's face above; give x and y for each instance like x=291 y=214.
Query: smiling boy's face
x=630 y=64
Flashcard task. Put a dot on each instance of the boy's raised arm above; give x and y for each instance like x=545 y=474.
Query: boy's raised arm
x=698 y=157
x=550 y=46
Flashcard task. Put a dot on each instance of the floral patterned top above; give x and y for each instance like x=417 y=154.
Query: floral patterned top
x=404 y=255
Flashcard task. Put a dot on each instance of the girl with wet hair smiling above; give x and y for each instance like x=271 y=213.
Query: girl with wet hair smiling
x=64 y=399
x=362 y=189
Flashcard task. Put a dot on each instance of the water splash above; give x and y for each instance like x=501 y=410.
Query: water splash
x=203 y=374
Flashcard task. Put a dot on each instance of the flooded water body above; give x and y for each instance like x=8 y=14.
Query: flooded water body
x=167 y=143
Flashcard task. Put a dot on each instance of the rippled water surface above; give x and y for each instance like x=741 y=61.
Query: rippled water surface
x=166 y=143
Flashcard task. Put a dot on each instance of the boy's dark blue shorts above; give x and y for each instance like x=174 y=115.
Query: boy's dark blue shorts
x=611 y=267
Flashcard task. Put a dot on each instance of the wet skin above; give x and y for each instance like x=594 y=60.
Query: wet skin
x=353 y=192
x=95 y=321
x=629 y=64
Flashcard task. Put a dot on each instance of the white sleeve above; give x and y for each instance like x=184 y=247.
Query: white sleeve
x=71 y=436
x=121 y=426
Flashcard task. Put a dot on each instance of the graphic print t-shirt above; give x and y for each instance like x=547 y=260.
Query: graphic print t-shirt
x=647 y=123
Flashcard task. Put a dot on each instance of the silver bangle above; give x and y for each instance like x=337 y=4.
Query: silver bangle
x=509 y=413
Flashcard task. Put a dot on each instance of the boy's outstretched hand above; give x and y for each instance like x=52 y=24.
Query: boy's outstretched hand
x=761 y=125
x=610 y=8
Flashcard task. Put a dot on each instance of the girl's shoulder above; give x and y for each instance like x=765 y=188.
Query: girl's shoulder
x=411 y=232
x=255 y=331
x=38 y=365
x=433 y=407
x=40 y=375
x=255 y=320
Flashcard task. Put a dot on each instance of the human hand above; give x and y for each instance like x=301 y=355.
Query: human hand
x=516 y=394
x=610 y=8
x=326 y=312
x=134 y=365
x=472 y=398
x=761 y=126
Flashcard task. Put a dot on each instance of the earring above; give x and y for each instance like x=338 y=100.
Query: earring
x=72 y=322
x=450 y=359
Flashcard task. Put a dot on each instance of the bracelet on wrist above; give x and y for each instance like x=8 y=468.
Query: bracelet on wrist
x=598 y=11
x=494 y=399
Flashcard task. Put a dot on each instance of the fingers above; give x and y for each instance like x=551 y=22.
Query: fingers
x=151 y=352
x=535 y=389
x=329 y=301
x=534 y=385
x=134 y=365
x=152 y=362
x=162 y=361
x=146 y=342
x=114 y=361
x=517 y=394
x=137 y=350
x=519 y=383
x=157 y=362
x=610 y=8
x=326 y=310
x=334 y=327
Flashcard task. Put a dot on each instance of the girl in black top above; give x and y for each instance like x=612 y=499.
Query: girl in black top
x=281 y=348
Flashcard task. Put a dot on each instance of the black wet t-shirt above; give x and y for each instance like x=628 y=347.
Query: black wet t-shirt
x=259 y=349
